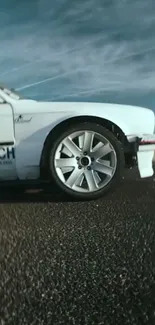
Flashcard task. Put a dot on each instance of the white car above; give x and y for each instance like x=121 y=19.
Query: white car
x=82 y=147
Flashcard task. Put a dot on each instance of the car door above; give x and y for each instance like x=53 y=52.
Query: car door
x=7 y=143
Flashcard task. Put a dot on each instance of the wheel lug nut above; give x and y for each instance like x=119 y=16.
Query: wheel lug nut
x=85 y=153
x=89 y=168
x=77 y=158
x=79 y=167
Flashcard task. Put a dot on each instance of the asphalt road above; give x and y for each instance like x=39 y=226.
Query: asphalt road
x=72 y=263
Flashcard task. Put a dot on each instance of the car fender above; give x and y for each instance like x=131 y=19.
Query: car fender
x=132 y=120
x=31 y=134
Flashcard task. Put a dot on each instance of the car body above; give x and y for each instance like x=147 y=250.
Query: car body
x=26 y=126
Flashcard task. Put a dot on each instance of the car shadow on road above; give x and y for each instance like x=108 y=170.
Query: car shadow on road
x=131 y=186
x=31 y=194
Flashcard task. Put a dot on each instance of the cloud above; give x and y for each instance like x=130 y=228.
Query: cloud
x=78 y=48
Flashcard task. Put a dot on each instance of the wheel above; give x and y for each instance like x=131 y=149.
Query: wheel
x=86 y=160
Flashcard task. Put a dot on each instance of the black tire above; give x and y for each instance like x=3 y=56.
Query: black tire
x=110 y=137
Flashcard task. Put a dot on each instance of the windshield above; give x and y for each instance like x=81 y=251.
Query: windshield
x=11 y=92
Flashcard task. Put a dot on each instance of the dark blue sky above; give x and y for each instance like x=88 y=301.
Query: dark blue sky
x=96 y=50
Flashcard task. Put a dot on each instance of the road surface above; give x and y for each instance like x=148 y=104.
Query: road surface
x=75 y=262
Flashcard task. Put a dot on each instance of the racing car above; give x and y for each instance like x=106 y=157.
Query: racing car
x=81 y=147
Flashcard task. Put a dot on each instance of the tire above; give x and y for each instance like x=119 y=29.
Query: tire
x=88 y=182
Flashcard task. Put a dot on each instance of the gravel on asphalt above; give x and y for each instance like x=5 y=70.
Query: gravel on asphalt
x=89 y=263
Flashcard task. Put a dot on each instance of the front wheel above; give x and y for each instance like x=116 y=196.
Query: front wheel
x=86 y=160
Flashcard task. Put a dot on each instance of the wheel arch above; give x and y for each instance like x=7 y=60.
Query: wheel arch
x=111 y=126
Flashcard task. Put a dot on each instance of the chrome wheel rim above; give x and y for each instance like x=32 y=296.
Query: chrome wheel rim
x=85 y=161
